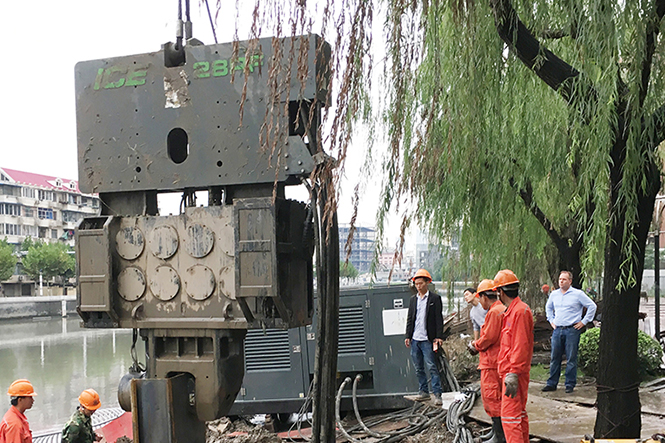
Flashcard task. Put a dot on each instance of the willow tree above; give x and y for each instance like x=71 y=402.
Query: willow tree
x=535 y=125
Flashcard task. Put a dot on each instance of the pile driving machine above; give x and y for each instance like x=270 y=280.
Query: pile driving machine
x=192 y=284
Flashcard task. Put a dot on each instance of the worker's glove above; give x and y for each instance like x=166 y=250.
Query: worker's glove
x=511 y=385
x=472 y=349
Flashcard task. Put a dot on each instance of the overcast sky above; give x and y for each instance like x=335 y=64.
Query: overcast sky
x=46 y=38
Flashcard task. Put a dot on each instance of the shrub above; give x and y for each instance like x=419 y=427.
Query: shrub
x=649 y=353
x=587 y=356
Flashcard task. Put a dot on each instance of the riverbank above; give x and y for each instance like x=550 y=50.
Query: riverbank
x=12 y=308
x=61 y=359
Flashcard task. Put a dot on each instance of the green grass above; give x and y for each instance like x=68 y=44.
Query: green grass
x=541 y=372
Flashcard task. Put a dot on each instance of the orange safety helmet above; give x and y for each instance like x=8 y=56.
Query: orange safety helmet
x=21 y=388
x=503 y=278
x=422 y=273
x=545 y=288
x=89 y=399
x=484 y=286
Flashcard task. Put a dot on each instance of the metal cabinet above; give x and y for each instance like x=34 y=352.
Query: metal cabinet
x=279 y=365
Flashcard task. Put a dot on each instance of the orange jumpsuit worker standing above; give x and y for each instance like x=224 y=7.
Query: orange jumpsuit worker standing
x=488 y=344
x=514 y=357
x=14 y=427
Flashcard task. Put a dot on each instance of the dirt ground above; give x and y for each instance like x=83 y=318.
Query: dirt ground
x=243 y=433
x=239 y=431
x=434 y=434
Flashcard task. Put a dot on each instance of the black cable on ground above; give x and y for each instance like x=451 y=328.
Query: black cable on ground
x=458 y=409
x=302 y=415
x=419 y=418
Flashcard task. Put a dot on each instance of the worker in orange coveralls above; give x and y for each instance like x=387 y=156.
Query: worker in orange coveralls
x=14 y=427
x=514 y=357
x=488 y=345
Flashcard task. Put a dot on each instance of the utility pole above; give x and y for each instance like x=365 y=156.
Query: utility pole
x=656 y=268
x=656 y=248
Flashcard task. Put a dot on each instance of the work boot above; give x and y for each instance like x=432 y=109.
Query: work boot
x=497 y=432
x=497 y=427
x=436 y=399
x=422 y=395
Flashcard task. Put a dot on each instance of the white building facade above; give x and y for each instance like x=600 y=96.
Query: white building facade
x=42 y=207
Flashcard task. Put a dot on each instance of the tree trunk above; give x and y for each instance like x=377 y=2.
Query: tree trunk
x=569 y=260
x=618 y=398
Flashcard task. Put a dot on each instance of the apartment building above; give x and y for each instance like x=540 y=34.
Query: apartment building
x=41 y=206
x=362 y=247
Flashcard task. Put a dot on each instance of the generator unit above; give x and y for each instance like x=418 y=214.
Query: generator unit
x=372 y=322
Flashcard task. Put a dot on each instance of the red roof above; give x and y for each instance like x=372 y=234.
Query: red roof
x=43 y=181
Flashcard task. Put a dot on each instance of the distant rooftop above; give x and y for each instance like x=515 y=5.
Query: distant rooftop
x=42 y=181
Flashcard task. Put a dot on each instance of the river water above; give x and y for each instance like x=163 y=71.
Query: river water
x=61 y=359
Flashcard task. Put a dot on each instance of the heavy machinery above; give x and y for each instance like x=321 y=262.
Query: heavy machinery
x=240 y=121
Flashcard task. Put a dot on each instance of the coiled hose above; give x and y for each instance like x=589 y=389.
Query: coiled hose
x=419 y=417
x=458 y=409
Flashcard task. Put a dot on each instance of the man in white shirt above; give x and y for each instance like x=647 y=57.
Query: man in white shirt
x=564 y=312
x=477 y=312
x=424 y=334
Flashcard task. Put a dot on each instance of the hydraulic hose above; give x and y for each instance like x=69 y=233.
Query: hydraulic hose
x=418 y=418
x=338 y=401
x=357 y=412
x=456 y=412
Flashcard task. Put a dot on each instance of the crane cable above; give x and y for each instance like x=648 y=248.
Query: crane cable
x=212 y=25
x=179 y=26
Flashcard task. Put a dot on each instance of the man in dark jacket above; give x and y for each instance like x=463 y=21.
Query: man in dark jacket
x=424 y=334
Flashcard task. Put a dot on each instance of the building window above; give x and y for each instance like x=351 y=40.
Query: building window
x=10 y=209
x=10 y=190
x=45 y=195
x=71 y=217
x=10 y=229
x=30 y=231
x=28 y=212
x=54 y=233
x=28 y=192
x=45 y=213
